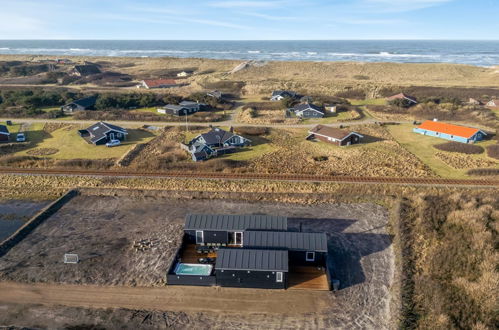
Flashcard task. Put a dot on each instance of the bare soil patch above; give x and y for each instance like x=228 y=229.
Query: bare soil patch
x=102 y=230
x=13 y=214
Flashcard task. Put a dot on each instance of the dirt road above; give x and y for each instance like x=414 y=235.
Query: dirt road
x=170 y=298
x=230 y=122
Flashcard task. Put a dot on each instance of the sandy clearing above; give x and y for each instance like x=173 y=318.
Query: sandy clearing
x=171 y=298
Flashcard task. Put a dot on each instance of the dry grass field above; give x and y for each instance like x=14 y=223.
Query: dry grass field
x=379 y=155
x=449 y=251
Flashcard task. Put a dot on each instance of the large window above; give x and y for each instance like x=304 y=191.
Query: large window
x=310 y=256
x=199 y=237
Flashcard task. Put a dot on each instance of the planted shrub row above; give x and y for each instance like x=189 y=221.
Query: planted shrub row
x=459 y=147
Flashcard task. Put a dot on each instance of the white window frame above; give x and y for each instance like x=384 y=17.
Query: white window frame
x=279 y=277
x=235 y=238
x=310 y=259
x=202 y=237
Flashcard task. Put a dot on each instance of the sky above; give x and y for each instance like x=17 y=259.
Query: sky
x=249 y=20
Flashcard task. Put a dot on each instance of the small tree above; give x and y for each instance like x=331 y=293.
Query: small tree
x=287 y=102
x=401 y=103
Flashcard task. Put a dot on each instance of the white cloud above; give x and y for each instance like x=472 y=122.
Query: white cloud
x=247 y=4
x=402 y=5
x=214 y=23
x=368 y=21
x=271 y=17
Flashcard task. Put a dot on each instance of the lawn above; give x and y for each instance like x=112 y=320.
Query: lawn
x=72 y=146
x=422 y=147
x=368 y=102
x=329 y=118
x=259 y=147
x=13 y=129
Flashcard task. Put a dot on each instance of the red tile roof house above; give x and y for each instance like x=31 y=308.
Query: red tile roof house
x=334 y=135
x=450 y=132
x=157 y=83
x=402 y=96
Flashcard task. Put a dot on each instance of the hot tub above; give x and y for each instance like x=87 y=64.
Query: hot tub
x=193 y=269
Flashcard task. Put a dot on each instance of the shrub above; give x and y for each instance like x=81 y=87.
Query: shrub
x=493 y=151
x=360 y=77
x=263 y=105
x=252 y=131
x=483 y=171
x=96 y=164
x=402 y=103
x=463 y=148
x=287 y=102
x=357 y=94
x=11 y=160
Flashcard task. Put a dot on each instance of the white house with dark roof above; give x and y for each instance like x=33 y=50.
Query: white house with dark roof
x=183 y=108
x=80 y=105
x=279 y=95
x=308 y=110
x=215 y=142
x=4 y=133
x=101 y=133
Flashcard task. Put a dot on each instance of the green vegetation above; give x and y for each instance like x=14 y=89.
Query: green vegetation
x=14 y=128
x=423 y=148
x=71 y=146
x=449 y=259
x=259 y=147
x=381 y=101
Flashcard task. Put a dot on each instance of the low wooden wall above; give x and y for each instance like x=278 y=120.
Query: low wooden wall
x=36 y=220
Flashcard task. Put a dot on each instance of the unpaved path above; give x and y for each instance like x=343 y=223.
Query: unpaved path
x=171 y=298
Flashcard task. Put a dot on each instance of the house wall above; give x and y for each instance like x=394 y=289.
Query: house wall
x=172 y=279
x=311 y=114
x=353 y=139
x=250 y=279
x=210 y=236
x=324 y=139
x=477 y=137
x=299 y=258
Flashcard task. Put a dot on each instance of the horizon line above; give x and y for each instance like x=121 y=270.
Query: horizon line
x=374 y=39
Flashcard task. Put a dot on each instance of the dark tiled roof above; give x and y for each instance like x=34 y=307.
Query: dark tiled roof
x=4 y=129
x=234 y=222
x=216 y=135
x=174 y=107
x=98 y=131
x=86 y=102
x=87 y=69
x=305 y=106
x=286 y=240
x=249 y=259
x=284 y=93
x=191 y=103
x=333 y=132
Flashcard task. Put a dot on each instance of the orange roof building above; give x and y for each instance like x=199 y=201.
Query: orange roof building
x=450 y=132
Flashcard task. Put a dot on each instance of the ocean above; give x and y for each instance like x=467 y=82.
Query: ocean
x=480 y=53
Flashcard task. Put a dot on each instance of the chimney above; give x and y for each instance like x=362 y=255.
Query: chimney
x=231 y=129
